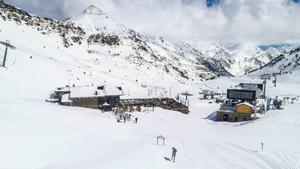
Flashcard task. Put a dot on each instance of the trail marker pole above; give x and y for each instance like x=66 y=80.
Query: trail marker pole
x=5 y=56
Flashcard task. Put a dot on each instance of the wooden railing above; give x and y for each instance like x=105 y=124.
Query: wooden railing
x=165 y=103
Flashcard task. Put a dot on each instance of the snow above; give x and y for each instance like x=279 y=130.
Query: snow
x=94 y=91
x=66 y=98
x=42 y=135
x=113 y=91
x=94 y=20
x=246 y=103
x=86 y=91
x=238 y=59
x=36 y=134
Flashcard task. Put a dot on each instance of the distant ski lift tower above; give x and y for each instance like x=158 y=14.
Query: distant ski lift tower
x=186 y=94
x=265 y=78
x=7 y=45
x=281 y=68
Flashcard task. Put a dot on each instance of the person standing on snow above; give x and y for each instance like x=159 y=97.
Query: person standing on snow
x=276 y=102
x=174 y=151
x=269 y=103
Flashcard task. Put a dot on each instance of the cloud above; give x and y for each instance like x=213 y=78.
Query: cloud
x=261 y=21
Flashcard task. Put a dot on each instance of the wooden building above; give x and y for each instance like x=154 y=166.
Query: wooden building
x=57 y=94
x=237 y=113
x=245 y=107
x=95 y=97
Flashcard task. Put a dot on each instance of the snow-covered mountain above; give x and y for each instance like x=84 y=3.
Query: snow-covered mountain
x=94 y=20
x=287 y=61
x=94 y=49
x=85 y=51
x=238 y=59
x=95 y=34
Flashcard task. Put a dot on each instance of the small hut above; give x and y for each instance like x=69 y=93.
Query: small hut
x=237 y=113
x=245 y=108
x=95 y=97
x=160 y=139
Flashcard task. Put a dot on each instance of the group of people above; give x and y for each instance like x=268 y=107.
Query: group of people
x=126 y=117
x=277 y=103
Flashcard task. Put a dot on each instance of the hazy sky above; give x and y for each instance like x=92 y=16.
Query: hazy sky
x=264 y=21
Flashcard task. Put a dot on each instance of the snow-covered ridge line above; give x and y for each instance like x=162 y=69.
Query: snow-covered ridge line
x=286 y=62
x=69 y=32
x=94 y=32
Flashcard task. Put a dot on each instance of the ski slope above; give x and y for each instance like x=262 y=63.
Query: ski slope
x=40 y=135
x=36 y=134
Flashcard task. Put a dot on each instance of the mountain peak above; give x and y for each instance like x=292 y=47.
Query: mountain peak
x=93 y=10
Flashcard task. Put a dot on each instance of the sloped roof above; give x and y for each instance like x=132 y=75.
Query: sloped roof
x=245 y=103
x=113 y=91
x=62 y=89
x=95 y=91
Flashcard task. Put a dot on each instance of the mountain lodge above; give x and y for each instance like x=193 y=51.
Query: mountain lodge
x=95 y=97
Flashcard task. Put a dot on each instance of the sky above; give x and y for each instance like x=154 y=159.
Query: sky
x=259 y=21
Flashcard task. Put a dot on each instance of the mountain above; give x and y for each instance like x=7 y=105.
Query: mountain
x=94 y=48
x=238 y=59
x=113 y=53
x=94 y=20
x=287 y=61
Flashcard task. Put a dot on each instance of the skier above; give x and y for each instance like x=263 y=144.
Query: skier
x=136 y=120
x=124 y=118
x=276 y=103
x=174 y=151
x=129 y=117
x=269 y=103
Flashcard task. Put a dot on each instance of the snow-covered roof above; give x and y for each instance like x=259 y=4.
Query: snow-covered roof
x=245 y=103
x=95 y=91
x=62 y=89
x=113 y=91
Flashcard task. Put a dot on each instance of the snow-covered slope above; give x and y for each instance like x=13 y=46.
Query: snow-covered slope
x=93 y=20
x=238 y=59
x=40 y=135
x=94 y=42
x=36 y=134
x=286 y=62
